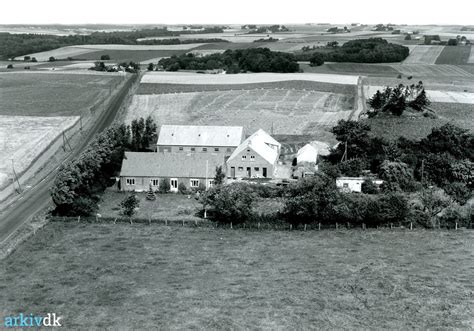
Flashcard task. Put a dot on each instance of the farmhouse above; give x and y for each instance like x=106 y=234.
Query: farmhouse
x=192 y=169
x=199 y=139
x=353 y=184
x=256 y=157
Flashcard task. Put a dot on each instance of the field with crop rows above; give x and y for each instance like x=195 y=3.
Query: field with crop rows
x=52 y=93
x=454 y=55
x=439 y=71
x=471 y=56
x=194 y=78
x=423 y=54
x=178 y=277
x=353 y=69
x=23 y=138
x=290 y=111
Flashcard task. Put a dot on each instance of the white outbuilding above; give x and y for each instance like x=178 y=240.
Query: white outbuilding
x=307 y=153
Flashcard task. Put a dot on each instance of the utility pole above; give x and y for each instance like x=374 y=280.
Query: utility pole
x=344 y=156
x=16 y=177
x=207 y=164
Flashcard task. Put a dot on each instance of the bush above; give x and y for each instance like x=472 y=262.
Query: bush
x=129 y=204
x=52 y=59
x=164 y=185
x=104 y=57
x=182 y=188
x=230 y=203
x=10 y=66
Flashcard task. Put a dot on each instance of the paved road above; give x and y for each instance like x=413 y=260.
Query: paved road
x=38 y=196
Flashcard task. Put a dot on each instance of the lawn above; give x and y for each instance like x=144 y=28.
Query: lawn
x=454 y=55
x=52 y=94
x=122 y=276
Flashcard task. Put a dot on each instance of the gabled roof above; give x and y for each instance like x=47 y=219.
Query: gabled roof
x=265 y=137
x=140 y=164
x=258 y=142
x=202 y=135
x=307 y=153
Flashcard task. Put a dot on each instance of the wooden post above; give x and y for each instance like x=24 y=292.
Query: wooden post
x=391 y=226
x=78 y=219
x=319 y=226
x=456 y=226
x=166 y=222
x=231 y=225
x=196 y=222
x=411 y=225
x=205 y=213
x=291 y=227
x=183 y=222
x=336 y=225
x=258 y=225
x=305 y=227
x=131 y=221
x=149 y=220
x=115 y=220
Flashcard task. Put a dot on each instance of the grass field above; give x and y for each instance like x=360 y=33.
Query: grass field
x=290 y=111
x=122 y=276
x=471 y=56
x=352 y=69
x=23 y=138
x=423 y=54
x=436 y=71
x=52 y=94
x=123 y=55
x=454 y=55
x=195 y=78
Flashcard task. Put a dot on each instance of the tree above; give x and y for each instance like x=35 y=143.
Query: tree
x=397 y=176
x=150 y=67
x=137 y=130
x=129 y=204
x=316 y=59
x=369 y=187
x=377 y=101
x=10 y=66
x=26 y=58
x=150 y=195
x=408 y=37
x=182 y=188
x=149 y=135
x=33 y=59
x=220 y=176
x=433 y=201
x=104 y=57
x=52 y=59
x=420 y=102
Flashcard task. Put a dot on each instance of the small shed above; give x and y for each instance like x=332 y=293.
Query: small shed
x=307 y=153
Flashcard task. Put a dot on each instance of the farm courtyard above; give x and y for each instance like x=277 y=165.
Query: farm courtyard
x=122 y=276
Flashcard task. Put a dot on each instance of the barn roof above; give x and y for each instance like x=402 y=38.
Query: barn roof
x=307 y=153
x=200 y=135
x=140 y=164
x=259 y=142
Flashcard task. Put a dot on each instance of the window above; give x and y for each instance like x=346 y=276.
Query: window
x=252 y=157
x=229 y=149
x=256 y=169
x=345 y=185
x=193 y=149
x=241 y=168
x=181 y=148
x=204 y=149
x=194 y=182
x=216 y=149
x=154 y=182
x=211 y=182
x=248 y=150
x=174 y=184
x=130 y=181
x=244 y=157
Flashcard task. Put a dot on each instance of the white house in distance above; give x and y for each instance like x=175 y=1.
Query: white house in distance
x=199 y=139
x=256 y=157
x=353 y=184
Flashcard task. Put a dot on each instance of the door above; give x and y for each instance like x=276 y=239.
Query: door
x=232 y=172
x=264 y=172
x=249 y=172
x=174 y=184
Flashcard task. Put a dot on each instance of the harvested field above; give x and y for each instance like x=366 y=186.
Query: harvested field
x=23 y=138
x=194 y=78
x=203 y=278
x=290 y=111
x=437 y=71
x=434 y=96
x=52 y=93
x=121 y=55
x=59 y=53
x=454 y=55
x=423 y=54
x=284 y=85
x=352 y=69
x=230 y=36
x=101 y=47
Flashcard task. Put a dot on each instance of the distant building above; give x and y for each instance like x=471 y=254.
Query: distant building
x=307 y=153
x=139 y=169
x=256 y=157
x=199 y=139
x=353 y=184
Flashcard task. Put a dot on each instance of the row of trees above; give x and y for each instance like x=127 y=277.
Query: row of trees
x=234 y=61
x=372 y=50
x=78 y=184
x=13 y=45
x=395 y=100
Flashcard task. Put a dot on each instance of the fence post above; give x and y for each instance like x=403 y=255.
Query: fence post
x=196 y=222
x=456 y=226
x=411 y=225
x=231 y=225
x=291 y=227
x=78 y=219
x=183 y=222
x=305 y=227
x=149 y=220
x=131 y=221
x=391 y=226
x=363 y=226
x=115 y=220
x=319 y=226
x=258 y=225
x=336 y=225
x=166 y=222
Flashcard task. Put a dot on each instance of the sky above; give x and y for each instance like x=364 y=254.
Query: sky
x=237 y=12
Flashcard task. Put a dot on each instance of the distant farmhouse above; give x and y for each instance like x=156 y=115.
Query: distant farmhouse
x=354 y=184
x=190 y=154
